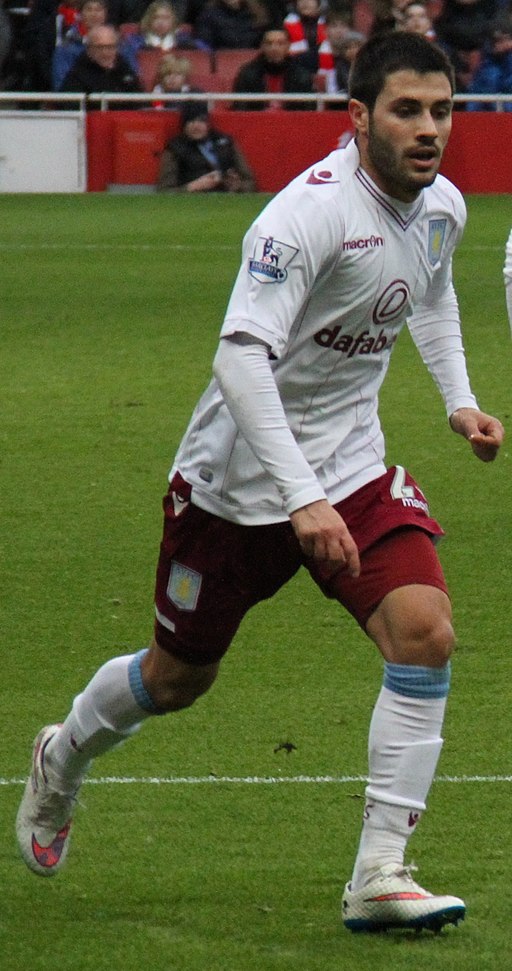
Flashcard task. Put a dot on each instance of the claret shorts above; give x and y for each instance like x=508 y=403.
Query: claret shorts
x=211 y=572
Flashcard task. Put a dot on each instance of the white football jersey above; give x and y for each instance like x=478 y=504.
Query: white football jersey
x=507 y=275
x=331 y=270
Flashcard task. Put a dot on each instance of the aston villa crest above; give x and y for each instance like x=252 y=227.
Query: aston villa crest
x=436 y=234
x=183 y=587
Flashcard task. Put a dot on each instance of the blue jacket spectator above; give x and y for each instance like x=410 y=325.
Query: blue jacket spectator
x=93 y=13
x=101 y=68
x=494 y=76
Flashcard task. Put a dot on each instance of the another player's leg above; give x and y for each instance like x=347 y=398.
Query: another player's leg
x=121 y=695
x=413 y=629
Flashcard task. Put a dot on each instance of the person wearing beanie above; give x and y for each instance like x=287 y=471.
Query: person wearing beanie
x=203 y=159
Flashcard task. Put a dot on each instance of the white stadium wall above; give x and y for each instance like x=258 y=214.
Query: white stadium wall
x=42 y=151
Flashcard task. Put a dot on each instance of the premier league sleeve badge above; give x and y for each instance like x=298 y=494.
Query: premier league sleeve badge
x=270 y=259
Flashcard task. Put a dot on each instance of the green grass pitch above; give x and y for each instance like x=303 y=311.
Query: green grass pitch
x=109 y=314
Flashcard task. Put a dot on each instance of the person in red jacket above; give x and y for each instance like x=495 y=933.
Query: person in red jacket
x=274 y=72
x=307 y=31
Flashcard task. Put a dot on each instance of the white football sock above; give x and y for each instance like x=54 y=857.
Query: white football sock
x=404 y=748
x=104 y=715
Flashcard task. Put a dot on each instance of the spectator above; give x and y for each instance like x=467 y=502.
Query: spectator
x=276 y=11
x=202 y=159
x=348 y=50
x=173 y=77
x=13 y=53
x=192 y=12
x=101 y=68
x=416 y=20
x=158 y=30
x=494 y=76
x=332 y=50
x=67 y=20
x=464 y=24
x=462 y=30
x=231 y=24
x=275 y=72
x=270 y=13
x=126 y=11
x=388 y=15
x=40 y=35
x=92 y=13
x=5 y=40
x=307 y=31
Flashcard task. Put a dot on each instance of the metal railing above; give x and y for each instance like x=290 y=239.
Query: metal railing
x=47 y=100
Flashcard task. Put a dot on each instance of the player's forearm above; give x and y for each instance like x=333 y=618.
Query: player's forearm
x=249 y=389
x=437 y=335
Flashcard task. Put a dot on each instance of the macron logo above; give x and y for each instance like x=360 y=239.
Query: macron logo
x=415 y=503
x=372 y=242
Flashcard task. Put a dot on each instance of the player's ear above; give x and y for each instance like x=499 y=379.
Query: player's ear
x=359 y=116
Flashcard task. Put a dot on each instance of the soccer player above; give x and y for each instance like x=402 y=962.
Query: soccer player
x=507 y=274
x=282 y=465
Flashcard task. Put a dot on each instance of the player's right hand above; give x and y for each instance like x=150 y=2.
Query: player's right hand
x=323 y=536
x=484 y=433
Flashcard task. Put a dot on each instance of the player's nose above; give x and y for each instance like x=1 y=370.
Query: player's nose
x=427 y=126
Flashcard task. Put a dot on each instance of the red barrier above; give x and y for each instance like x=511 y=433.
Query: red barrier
x=124 y=147
x=477 y=158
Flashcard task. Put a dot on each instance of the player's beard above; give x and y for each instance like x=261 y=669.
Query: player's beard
x=392 y=168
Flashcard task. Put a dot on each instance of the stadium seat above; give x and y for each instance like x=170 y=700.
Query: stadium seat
x=227 y=64
x=201 y=61
x=148 y=60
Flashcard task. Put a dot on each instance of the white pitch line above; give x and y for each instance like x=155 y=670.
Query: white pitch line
x=184 y=247
x=258 y=780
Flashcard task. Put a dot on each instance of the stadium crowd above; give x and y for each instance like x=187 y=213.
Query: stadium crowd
x=280 y=47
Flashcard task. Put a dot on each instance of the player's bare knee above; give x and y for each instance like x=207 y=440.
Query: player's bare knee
x=438 y=642
x=174 y=694
x=427 y=641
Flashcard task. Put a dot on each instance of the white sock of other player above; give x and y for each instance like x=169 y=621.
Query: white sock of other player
x=404 y=747
x=109 y=710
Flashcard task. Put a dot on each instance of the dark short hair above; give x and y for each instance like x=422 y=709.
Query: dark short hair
x=192 y=110
x=395 y=51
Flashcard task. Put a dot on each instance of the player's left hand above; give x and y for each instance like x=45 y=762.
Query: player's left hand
x=483 y=432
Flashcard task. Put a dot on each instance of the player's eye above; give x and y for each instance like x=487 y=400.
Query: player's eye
x=442 y=112
x=406 y=111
